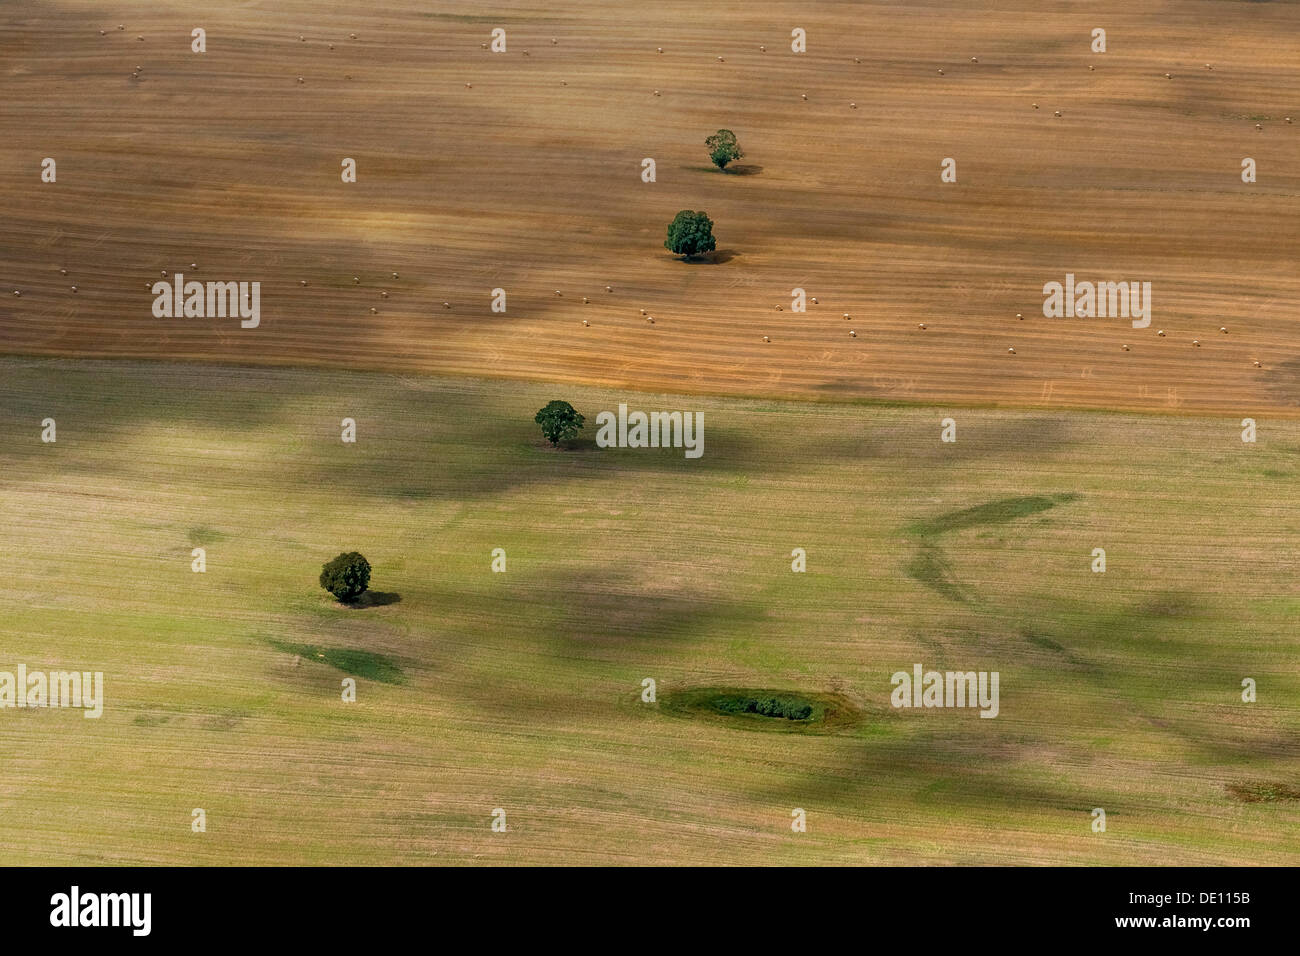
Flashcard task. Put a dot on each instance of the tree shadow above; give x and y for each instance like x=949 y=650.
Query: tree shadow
x=734 y=169
x=717 y=257
x=373 y=599
x=579 y=443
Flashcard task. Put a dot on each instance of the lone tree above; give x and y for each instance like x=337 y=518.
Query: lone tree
x=690 y=233
x=346 y=577
x=723 y=148
x=559 y=421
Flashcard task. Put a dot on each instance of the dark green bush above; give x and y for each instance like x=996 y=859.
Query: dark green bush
x=787 y=708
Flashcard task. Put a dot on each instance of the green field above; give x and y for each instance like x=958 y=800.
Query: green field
x=521 y=690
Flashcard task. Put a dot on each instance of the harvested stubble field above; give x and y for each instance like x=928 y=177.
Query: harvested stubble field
x=521 y=690
x=520 y=170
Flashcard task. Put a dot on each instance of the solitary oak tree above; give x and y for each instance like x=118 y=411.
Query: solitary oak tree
x=559 y=421
x=346 y=577
x=689 y=234
x=723 y=148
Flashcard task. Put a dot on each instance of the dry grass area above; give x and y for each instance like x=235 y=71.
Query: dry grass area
x=478 y=690
x=521 y=170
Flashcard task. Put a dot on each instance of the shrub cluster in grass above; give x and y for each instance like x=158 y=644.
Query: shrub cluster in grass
x=790 y=708
x=1263 y=792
